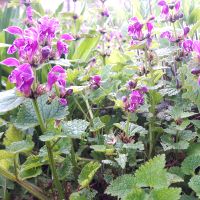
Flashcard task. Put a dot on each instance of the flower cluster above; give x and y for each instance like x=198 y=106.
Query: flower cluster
x=135 y=99
x=140 y=31
x=170 y=11
x=35 y=46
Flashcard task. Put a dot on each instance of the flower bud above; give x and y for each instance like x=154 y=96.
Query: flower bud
x=195 y=71
x=45 y=52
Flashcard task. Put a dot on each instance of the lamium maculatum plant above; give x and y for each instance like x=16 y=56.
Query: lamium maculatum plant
x=100 y=100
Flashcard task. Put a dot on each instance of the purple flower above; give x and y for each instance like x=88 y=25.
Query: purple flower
x=187 y=45
x=166 y=35
x=177 y=5
x=135 y=28
x=23 y=77
x=136 y=98
x=105 y=12
x=165 y=8
x=62 y=48
x=10 y=62
x=139 y=31
x=47 y=29
x=57 y=76
x=15 y=30
x=63 y=101
x=186 y=30
x=46 y=52
x=196 y=47
x=29 y=13
x=95 y=82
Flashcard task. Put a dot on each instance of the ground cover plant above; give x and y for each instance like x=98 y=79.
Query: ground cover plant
x=100 y=101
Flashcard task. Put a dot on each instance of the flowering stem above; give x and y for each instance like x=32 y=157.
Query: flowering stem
x=152 y=109
x=49 y=150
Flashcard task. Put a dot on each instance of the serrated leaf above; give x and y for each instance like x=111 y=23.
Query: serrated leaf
x=50 y=135
x=20 y=146
x=173 y=178
x=97 y=124
x=26 y=117
x=166 y=194
x=168 y=143
x=195 y=184
x=121 y=160
x=132 y=130
x=87 y=173
x=190 y=164
x=121 y=186
x=75 y=128
x=136 y=194
x=12 y=135
x=9 y=100
x=152 y=173
x=138 y=145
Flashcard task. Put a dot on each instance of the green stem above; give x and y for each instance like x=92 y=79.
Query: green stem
x=34 y=190
x=16 y=165
x=81 y=109
x=127 y=123
x=49 y=150
x=152 y=109
x=88 y=107
x=73 y=160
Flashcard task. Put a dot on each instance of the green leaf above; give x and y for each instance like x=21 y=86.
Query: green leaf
x=190 y=164
x=5 y=155
x=133 y=128
x=9 y=100
x=26 y=117
x=33 y=162
x=77 y=196
x=195 y=184
x=121 y=186
x=97 y=124
x=86 y=47
x=20 y=146
x=30 y=173
x=121 y=160
x=75 y=128
x=194 y=15
x=136 y=194
x=50 y=135
x=87 y=173
x=166 y=194
x=194 y=28
x=152 y=173
x=12 y=135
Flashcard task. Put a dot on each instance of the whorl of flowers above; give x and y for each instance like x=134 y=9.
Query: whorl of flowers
x=140 y=31
x=36 y=45
x=134 y=100
x=170 y=11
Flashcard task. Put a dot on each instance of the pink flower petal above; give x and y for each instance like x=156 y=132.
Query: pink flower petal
x=15 y=30
x=10 y=62
x=67 y=37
